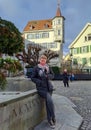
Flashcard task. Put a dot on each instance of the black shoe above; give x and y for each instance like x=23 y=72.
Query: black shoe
x=54 y=121
x=51 y=124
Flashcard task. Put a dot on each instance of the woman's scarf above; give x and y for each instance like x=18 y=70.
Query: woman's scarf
x=43 y=69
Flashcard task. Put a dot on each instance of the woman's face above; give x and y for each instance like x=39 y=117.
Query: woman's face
x=42 y=61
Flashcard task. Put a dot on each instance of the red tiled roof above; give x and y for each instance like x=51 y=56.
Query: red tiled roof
x=38 y=25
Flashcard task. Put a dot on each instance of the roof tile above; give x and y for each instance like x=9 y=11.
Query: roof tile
x=38 y=25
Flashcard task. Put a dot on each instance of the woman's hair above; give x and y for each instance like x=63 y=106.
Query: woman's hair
x=43 y=56
x=65 y=70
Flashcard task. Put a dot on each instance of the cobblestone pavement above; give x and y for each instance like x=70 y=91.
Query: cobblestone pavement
x=79 y=93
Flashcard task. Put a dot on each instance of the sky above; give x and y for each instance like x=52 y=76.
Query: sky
x=77 y=14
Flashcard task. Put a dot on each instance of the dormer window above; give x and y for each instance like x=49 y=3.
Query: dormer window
x=32 y=27
x=46 y=25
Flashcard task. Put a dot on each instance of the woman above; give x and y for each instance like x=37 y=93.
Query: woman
x=41 y=76
x=65 y=78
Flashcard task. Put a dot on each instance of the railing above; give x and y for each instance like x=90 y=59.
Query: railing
x=76 y=77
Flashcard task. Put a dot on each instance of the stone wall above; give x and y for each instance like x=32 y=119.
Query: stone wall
x=19 y=84
x=20 y=106
x=21 y=111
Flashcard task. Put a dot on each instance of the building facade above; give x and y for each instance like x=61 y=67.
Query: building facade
x=80 y=48
x=48 y=33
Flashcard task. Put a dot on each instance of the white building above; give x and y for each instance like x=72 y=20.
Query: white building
x=48 y=33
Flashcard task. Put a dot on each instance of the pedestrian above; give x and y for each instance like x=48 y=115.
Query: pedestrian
x=65 y=78
x=41 y=76
x=72 y=77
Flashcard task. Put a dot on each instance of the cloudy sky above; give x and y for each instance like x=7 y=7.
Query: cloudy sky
x=77 y=14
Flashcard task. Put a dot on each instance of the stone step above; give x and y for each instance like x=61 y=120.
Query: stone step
x=67 y=118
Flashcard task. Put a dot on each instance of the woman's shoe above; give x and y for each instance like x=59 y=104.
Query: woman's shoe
x=54 y=121
x=51 y=124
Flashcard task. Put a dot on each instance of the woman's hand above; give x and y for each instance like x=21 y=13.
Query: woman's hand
x=46 y=69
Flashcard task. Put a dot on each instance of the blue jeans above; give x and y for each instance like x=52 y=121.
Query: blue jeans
x=49 y=104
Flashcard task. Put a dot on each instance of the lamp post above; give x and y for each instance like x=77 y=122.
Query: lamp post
x=71 y=56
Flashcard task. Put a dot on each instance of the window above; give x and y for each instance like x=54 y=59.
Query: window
x=59 y=32
x=54 y=23
x=75 y=50
x=32 y=27
x=30 y=36
x=38 y=35
x=85 y=38
x=75 y=61
x=45 y=35
x=46 y=25
x=44 y=45
x=59 y=21
x=84 y=49
x=89 y=37
x=52 y=45
x=49 y=45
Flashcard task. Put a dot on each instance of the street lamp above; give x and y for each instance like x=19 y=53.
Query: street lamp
x=71 y=56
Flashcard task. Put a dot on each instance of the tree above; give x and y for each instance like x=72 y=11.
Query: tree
x=32 y=56
x=11 y=40
x=50 y=55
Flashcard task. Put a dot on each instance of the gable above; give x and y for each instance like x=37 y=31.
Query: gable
x=80 y=39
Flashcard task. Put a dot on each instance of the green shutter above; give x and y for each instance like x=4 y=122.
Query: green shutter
x=77 y=50
x=90 y=48
x=71 y=51
x=90 y=60
x=80 y=50
x=87 y=48
x=84 y=60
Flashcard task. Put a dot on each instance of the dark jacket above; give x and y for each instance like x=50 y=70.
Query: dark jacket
x=65 y=77
x=42 y=81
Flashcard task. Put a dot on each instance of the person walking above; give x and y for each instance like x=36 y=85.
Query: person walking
x=65 y=78
x=41 y=76
x=72 y=77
